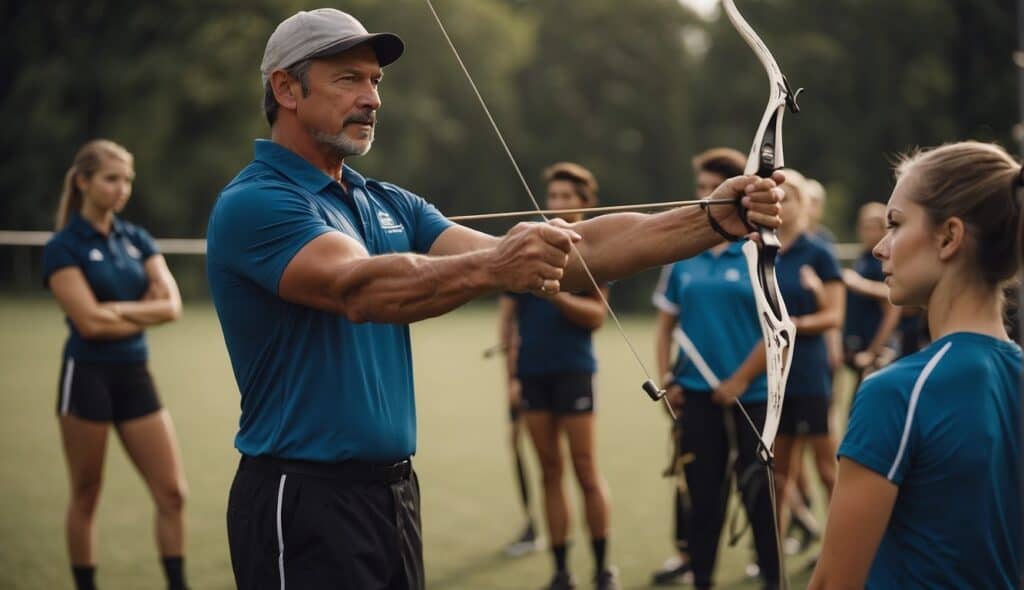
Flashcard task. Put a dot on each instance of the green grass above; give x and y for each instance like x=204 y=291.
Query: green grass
x=470 y=507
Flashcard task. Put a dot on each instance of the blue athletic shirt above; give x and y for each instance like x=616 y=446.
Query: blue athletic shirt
x=114 y=267
x=714 y=301
x=809 y=372
x=863 y=313
x=548 y=342
x=942 y=424
x=313 y=385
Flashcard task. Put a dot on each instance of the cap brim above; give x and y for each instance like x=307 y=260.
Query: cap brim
x=388 y=46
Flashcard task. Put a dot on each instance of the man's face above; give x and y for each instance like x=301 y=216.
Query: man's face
x=707 y=182
x=340 y=110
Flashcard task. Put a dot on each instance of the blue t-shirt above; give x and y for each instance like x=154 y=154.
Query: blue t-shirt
x=809 y=372
x=114 y=267
x=863 y=313
x=314 y=385
x=548 y=342
x=942 y=424
x=701 y=291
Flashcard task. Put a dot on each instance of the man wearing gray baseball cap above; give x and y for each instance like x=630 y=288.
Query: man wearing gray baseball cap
x=316 y=272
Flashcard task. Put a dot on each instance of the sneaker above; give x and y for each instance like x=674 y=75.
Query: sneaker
x=607 y=579
x=526 y=543
x=561 y=581
x=673 y=571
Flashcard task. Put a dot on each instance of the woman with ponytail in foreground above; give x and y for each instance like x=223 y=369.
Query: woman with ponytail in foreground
x=927 y=494
x=112 y=284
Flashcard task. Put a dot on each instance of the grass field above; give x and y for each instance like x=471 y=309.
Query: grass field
x=470 y=508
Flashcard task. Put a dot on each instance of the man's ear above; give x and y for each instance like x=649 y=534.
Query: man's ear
x=951 y=237
x=284 y=88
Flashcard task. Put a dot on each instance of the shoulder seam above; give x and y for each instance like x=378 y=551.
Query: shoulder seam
x=912 y=406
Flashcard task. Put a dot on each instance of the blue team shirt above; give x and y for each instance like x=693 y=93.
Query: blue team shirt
x=548 y=342
x=809 y=372
x=942 y=424
x=702 y=291
x=863 y=313
x=313 y=385
x=114 y=268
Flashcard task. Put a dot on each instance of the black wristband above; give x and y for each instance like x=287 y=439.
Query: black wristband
x=718 y=228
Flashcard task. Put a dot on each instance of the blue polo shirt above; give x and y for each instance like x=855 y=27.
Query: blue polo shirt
x=313 y=385
x=714 y=301
x=548 y=342
x=809 y=372
x=114 y=268
x=863 y=313
x=942 y=424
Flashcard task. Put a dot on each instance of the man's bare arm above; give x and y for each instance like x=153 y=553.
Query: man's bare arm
x=622 y=244
x=335 y=273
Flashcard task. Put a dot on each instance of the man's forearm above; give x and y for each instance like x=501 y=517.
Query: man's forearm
x=618 y=245
x=404 y=288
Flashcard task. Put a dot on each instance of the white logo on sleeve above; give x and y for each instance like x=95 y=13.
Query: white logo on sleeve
x=732 y=275
x=95 y=255
x=388 y=223
x=132 y=250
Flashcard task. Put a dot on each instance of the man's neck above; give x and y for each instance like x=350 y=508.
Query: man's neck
x=317 y=154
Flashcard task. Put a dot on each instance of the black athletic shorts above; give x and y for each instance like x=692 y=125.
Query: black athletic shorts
x=805 y=415
x=106 y=392
x=337 y=526
x=559 y=393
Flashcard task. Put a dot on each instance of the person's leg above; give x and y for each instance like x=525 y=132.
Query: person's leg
x=784 y=465
x=704 y=436
x=544 y=431
x=825 y=460
x=85 y=444
x=582 y=441
x=752 y=481
x=152 y=446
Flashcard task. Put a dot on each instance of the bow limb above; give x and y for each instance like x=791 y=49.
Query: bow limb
x=766 y=156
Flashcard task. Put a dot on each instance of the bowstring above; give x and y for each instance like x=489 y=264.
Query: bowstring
x=536 y=203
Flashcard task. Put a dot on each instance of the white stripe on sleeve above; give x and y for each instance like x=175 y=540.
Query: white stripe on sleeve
x=912 y=407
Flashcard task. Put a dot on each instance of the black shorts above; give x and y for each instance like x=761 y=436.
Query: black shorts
x=343 y=526
x=106 y=392
x=560 y=393
x=805 y=415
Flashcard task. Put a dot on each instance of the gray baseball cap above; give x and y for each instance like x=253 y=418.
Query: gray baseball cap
x=321 y=33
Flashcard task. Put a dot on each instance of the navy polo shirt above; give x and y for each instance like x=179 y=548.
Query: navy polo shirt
x=809 y=371
x=313 y=385
x=114 y=268
x=863 y=313
x=714 y=301
x=942 y=424
x=548 y=342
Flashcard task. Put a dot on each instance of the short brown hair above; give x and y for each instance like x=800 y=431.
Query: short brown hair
x=977 y=183
x=726 y=162
x=582 y=180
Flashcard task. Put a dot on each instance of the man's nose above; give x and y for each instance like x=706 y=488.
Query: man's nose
x=370 y=98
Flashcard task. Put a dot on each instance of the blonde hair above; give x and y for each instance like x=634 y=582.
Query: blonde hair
x=88 y=161
x=796 y=184
x=813 y=190
x=977 y=183
x=582 y=180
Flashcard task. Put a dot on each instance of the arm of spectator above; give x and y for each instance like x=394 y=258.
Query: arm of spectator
x=584 y=310
x=830 y=313
x=162 y=301
x=93 y=320
x=862 y=286
x=858 y=514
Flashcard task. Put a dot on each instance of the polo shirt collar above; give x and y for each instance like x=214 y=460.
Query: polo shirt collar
x=300 y=171
x=83 y=228
x=734 y=249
